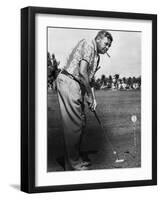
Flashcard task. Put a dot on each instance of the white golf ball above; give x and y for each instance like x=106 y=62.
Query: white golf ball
x=114 y=152
x=133 y=118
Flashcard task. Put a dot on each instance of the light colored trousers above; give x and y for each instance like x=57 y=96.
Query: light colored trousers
x=71 y=101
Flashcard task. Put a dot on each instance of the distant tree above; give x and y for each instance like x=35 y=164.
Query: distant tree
x=52 y=68
x=103 y=80
x=139 y=80
x=134 y=80
x=120 y=80
x=110 y=81
x=49 y=63
x=124 y=80
x=116 y=76
x=97 y=84
x=129 y=82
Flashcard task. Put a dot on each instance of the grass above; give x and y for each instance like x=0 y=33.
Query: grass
x=115 y=109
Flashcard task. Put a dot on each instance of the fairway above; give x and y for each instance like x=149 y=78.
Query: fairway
x=115 y=109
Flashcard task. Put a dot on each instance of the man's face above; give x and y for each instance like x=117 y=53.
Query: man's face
x=103 y=44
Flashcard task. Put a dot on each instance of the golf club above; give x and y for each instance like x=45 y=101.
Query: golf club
x=117 y=160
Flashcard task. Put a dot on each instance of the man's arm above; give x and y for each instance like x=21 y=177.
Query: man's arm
x=94 y=100
x=93 y=94
x=84 y=77
x=85 y=81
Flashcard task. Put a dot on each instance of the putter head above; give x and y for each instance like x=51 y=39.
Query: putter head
x=119 y=160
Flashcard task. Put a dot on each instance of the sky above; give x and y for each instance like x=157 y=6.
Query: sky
x=125 y=50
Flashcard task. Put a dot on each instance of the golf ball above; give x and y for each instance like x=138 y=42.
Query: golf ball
x=114 y=152
x=133 y=118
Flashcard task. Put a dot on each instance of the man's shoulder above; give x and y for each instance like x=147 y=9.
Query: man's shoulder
x=87 y=43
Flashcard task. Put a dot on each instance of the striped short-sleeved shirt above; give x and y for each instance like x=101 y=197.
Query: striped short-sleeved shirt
x=84 y=50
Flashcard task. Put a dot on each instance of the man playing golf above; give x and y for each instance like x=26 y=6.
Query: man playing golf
x=74 y=84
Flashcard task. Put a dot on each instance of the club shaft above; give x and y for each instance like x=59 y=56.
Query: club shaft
x=97 y=118
x=105 y=136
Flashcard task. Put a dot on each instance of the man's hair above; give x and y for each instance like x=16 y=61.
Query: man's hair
x=104 y=33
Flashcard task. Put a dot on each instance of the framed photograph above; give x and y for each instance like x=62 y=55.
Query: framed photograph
x=88 y=99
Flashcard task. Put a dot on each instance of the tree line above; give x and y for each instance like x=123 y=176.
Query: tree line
x=115 y=82
x=52 y=69
x=104 y=82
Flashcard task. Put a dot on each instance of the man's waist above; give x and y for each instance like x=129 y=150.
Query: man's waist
x=65 y=72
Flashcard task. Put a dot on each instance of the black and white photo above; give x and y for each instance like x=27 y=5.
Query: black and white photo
x=94 y=104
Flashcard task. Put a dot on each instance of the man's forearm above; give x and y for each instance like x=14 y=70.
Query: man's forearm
x=85 y=82
x=93 y=93
x=89 y=89
x=84 y=78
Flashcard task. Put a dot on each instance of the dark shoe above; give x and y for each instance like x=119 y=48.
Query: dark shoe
x=80 y=167
x=83 y=165
x=86 y=163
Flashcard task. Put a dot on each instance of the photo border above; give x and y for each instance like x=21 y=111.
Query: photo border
x=28 y=90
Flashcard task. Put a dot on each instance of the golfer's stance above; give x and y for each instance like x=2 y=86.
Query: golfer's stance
x=74 y=83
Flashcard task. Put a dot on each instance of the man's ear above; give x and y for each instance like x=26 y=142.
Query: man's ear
x=98 y=39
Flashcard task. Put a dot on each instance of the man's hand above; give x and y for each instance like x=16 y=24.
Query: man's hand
x=91 y=103
x=94 y=105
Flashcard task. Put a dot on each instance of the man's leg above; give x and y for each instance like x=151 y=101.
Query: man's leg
x=70 y=101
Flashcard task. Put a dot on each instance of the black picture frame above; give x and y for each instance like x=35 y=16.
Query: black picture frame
x=28 y=98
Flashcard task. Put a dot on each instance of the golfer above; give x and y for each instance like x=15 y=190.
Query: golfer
x=74 y=87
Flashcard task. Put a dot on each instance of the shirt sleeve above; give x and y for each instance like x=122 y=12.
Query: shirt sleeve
x=87 y=51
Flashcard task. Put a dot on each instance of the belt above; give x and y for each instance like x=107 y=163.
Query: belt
x=70 y=76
